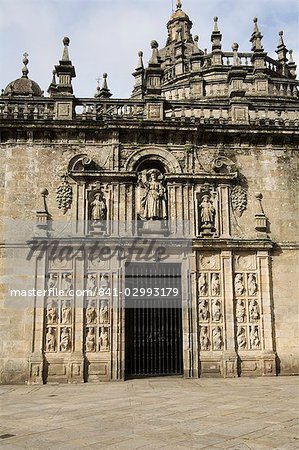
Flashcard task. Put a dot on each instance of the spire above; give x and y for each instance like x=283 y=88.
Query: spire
x=216 y=38
x=65 y=54
x=53 y=85
x=25 y=70
x=282 y=53
x=138 y=90
x=65 y=71
x=256 y=37
x=153 y=74
x=104 y=92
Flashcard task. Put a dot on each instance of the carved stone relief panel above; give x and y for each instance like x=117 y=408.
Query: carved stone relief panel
x=247 y=304
x=59 y=311
x=210 y=303
x=97 y=311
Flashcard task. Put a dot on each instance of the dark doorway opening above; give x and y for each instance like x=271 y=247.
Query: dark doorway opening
x=153 y=320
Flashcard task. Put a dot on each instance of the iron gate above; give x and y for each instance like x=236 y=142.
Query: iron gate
x=153 y=320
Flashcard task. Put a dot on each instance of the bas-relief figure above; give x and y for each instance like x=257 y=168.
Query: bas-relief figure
x=65 y=339
x=91 y=284
x=251 y=284
x=153 y=205
x=216 y=310
x=254 y=312
x=239 y=284
x=204 y=338
x=203 y=310
x=215 y=284
x=207 y=213
x=52 y=281
x=254 y=338
x=52 y=315
x=240 y=311
x=66 y=315
x=104 y=311
x=66 y=283
x=104 y=339
x=241 y=338
x=90 y=340
x=104 y=281
x=203 y=284
x=91 y=313
x=217 y=338
x=51 y=342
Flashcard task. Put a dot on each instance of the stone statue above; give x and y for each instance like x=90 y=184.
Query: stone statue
x=52 y=313
x=217 y=338
x=153 y=202
x=66 y=315
x=103 y=312
x=52 y=281
x=215 y=284
x=98 y=208
x=203 y=310
x=104 y=340
x=91 y=284
x=239 y=284
x=91 y=314
x=251 y=283
x=207 y=211
x=66 y=283
x=241 y=338
x=240 y=311
x=216 y=310
x=65 y=340
x=254 y=337
x=254 y=311
x=51 y=340
x=204 y=338
x=202 y=284
x=90 y=340
x=104 y=281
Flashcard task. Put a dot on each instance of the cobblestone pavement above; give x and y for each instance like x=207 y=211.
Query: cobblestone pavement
x=166 y=413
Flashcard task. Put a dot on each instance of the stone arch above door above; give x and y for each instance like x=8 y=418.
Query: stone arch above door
x=154 y=154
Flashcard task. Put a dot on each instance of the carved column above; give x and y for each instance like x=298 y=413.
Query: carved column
x=224 y=205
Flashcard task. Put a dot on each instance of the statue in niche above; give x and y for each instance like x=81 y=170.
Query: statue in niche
x=204 y=310
x=66 y=283
x=153 y=204
x=90 y=340
x=240 y=311
x=104 y=281
x=91 y=313
x=202 y=284
x=65 y=339
x=98 y=208
x=52 y=313
x=215 y=284
x=104 y=311
x=254 y=338
x=104 y=340
x=217 y=338
x=239 y=284
x=254 y=311
x=216 y=310
x=204 y=338
x=207 y=213
x=52 y=281
x=241 y=338
x=51 y=340
x=91 y=284
x=251 y=283
x=66 y=315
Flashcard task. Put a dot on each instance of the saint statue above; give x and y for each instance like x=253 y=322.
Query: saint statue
x=241 y=338
x=66 y=312
x=153 y=202
x=204 y=310
x=98 y=208
x=204 y=338
x=90 y=340
x=104 y=339
x=52 y=313
x=51 y=340
x=254 y=338
x=91 y=314
x=216 y=310
x=215 y=284
x=254 y=311
x=240 y=311
x=202 y=284
x=91 y=284
x=239 y=284
x=207 y=211
x=217 y=338
x=103 y=312
x=66 y=283
x=65 y=340
x=251 y=282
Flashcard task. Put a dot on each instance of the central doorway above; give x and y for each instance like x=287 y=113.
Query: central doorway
x=153 y=320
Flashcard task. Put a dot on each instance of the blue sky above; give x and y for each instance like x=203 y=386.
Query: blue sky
x=106 y=35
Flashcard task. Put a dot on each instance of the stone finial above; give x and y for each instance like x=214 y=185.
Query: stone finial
x=280 y=38
x=104 y=91
x=282 y=53
x=179 y=4
x=291 y=60
x=292 y=66
x=53 y=85
x=42 y=214
x=66 y=43
x=140 y=61
x=216 y=29
x=25 y=70
x=261 y=220
x=256 y=37
x=236 y=60
x=155 y=55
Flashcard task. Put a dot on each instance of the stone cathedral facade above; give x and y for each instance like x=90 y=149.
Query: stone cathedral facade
x=198 y=165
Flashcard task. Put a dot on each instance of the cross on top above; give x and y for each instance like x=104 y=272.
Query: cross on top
x=25 y=55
